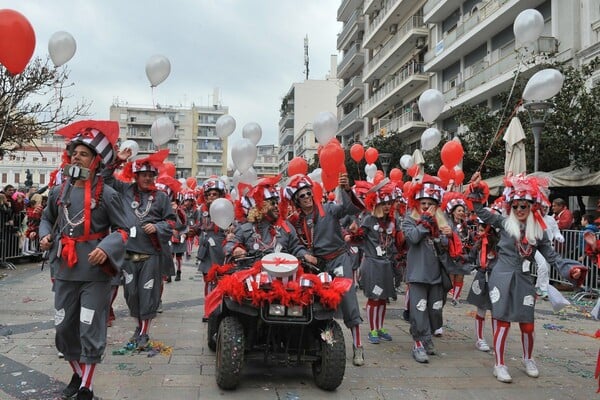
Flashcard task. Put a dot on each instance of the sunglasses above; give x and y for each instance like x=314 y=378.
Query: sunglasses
x=521 y=207
x=305 y=195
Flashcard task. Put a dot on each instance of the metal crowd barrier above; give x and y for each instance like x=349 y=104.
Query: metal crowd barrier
x=12 y=232
x=574 y=248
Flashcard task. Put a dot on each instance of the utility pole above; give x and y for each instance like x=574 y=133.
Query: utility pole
x=306 y=56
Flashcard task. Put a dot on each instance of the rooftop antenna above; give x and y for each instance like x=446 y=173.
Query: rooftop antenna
x=306 y=55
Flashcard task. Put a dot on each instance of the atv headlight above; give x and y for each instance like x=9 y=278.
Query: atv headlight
x=277 y=310
x=295 y=311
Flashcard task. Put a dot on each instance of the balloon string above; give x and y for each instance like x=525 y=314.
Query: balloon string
x=10 y=104
x=152 y=94
x=358 y=170
x=499 y=130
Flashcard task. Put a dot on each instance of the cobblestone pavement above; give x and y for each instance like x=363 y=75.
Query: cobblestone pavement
x=565 y=350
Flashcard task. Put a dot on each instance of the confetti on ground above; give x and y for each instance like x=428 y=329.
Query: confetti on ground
x=153 y=348
x=561 y=328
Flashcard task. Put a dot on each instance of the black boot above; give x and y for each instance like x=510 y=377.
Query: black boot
x=72 y=388
x=85 y=394
x=178 y=276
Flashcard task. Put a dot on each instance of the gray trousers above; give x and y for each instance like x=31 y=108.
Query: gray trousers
x=80 y=317
x=349 y=304
x=141 y=287
x=425 y=304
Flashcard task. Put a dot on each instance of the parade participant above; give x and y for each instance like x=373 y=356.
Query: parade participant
x=151 y=220
x=543 y=269
x=483 y=256
x=511 y=288
x=84 y=228
x=265 y=231
x=178 y=245
x=211 y=238
x=318 y=226
x=426 y=232
x=456 y=209
x=192 y=217
x=379 y=234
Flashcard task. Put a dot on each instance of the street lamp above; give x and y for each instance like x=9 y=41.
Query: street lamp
x=538 y=111
x=385 y=159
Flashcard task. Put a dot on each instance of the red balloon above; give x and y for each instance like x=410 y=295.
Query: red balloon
x=191 y=182
x=297 y=165
x=379 y=175
x=413 y=171
x=357 y=151
x=330 y=181
x=445 y=174
x=396 y=175
x=452 y=153
x=331 y=158
x=459 y=176
x=168 y=169
x=17 y=41
x=371 y=155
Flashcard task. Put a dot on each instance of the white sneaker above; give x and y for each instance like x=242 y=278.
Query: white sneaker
x=438 y=332
x=501 y=373
x=482 y=345
x=530 y=368
x=359 y=356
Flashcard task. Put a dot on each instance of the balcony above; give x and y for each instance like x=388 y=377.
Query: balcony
x=395 y=90
x=352 y=61
x=287 y=120
x=346 y=8
x=286 y=136
x=352 y=92
x=382 y=25
x=351 y=122
x=409 y=121
x=395 y=49
x=492 y=74
x=489 y=19
x=351 y=28
x=436 y=11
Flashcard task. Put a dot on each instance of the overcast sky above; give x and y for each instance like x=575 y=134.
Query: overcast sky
x=252 y=50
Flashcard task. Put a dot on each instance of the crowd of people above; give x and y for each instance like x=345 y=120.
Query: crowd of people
x=112 y=221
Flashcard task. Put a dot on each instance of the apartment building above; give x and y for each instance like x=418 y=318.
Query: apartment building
x=299 y=107
x=38 y=159
x=267 y=160
x=195 y=149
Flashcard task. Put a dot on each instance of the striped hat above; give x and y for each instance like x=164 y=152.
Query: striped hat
x=99 y=136
x=151 y=163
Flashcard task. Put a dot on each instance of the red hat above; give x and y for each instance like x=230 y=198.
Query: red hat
x=151 y=163
x=451 y=200
x=99 y=136
x=386 y=193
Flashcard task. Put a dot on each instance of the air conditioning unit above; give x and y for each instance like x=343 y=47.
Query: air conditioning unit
x=375 y=83
x=421 y=42
x=393 y=28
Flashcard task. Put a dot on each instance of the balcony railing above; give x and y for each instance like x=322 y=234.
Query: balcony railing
x=403 y=76
x=414 y=22
x=354 y=18
x=382 y=16
x=397 y=124
x=348 y=55
x=351 y=116
x=354 y=83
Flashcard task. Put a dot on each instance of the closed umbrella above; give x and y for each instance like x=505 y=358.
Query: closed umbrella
x=514 y=137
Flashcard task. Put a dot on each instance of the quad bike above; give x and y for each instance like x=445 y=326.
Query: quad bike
x=276 y=312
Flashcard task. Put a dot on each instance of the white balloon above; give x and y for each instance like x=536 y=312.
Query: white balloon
x=162 y=130
x=61 y=47
x=406 y=161
x=243 y=154
x=528 y=26
x=250 y=177
x=325 y=127
x=316 y=175
x=131 y=145
x=225 y=126
x=221 y=213
x=543 y=85
x=252 y=131
x=370 y=170
x=431 y=104
x=430 y=139
x=158 y=69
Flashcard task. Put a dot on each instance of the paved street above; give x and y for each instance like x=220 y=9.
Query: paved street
x=565 y=351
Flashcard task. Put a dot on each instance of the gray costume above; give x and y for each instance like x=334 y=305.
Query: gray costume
x=322 y=235
x=511 y=287
x=82 y=291
x=142 y=269
x=423 y=273
x=211 y=240
x=379 y=247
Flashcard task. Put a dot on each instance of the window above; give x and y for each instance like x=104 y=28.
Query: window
x=4 y=178
x=17 y=177
x=42 y=179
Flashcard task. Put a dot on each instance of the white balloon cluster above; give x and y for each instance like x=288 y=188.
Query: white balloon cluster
x=370 y=171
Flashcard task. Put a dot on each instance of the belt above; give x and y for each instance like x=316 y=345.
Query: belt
x=335 y=254
x=136 y=257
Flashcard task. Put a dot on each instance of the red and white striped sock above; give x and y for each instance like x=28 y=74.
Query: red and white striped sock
x=76 y=367
x=527 y=339
x=145 y=326
x=500 y=335
x=380 y=314
x=87 y=375
x=371 y=313
x=479 y=323
x=457 y=289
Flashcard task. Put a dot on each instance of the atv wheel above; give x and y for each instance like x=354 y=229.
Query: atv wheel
x=212 y=328
x=329 y=370
x=230 y=353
